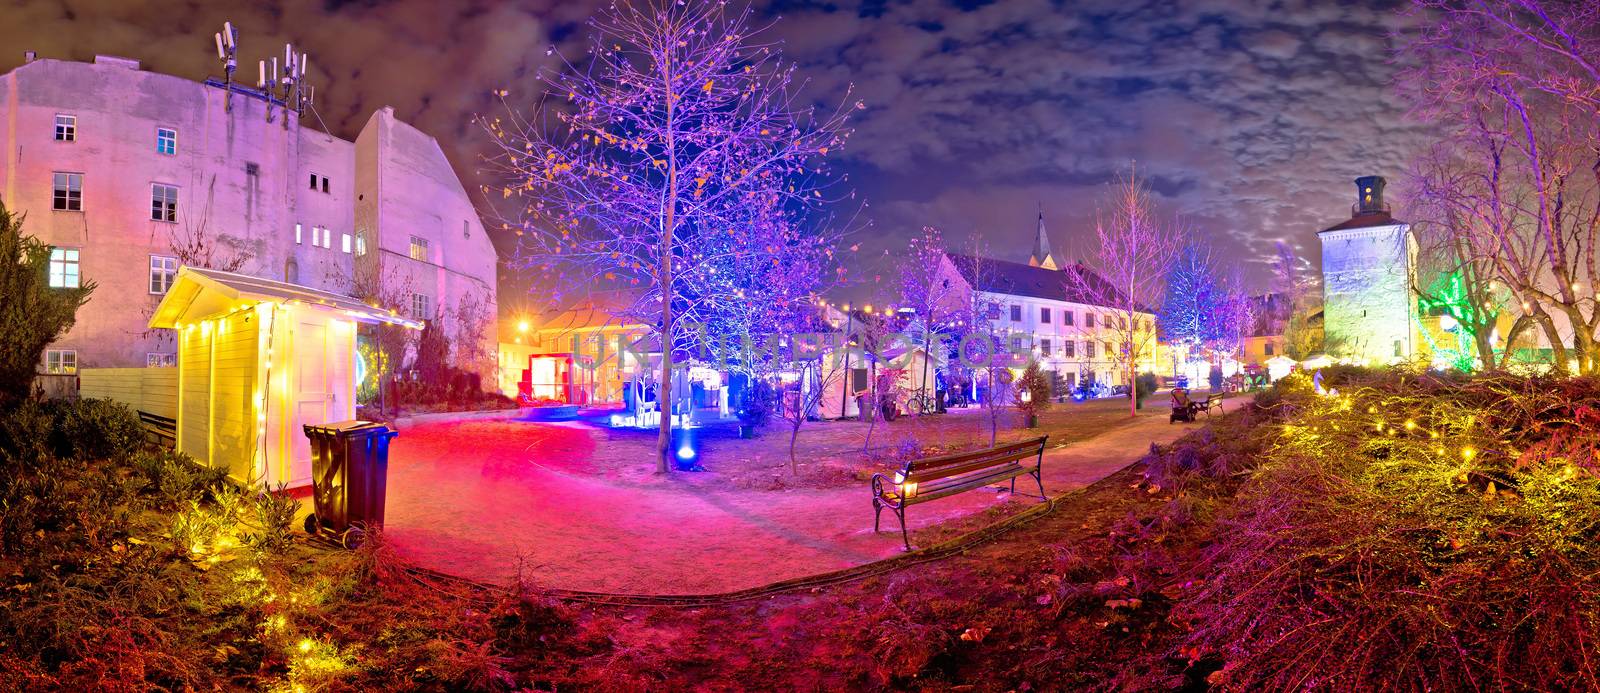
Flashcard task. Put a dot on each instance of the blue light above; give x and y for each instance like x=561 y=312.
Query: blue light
x=685 y=452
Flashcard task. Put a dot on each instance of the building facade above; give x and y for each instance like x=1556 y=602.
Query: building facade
x=128 y=174
x=1368 y=283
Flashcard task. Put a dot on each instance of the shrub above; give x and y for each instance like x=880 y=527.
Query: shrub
x=274 y=513
x=25 y=437
x=1414 y=532
x=89 y=428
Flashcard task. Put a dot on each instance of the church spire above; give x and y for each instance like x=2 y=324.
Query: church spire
x=1041 y=256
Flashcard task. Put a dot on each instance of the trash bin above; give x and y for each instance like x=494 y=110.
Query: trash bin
x=349 y=476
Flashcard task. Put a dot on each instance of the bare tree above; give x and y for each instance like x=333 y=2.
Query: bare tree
x=1127 y=277
x=814 y=379
x=195 y=245
x=680 y=141
x=926 y=289
x=1300 y=338
x=1515 y=87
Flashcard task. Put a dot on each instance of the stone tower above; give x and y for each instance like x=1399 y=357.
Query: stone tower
x=1041 y=256
x=1368 y=275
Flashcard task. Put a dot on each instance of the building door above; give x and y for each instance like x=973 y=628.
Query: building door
x=320 y=383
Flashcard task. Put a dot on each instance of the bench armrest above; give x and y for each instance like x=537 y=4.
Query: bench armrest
x=879 y=482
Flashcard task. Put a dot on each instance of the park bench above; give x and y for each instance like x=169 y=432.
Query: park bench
x=1213 y=402
x=936 y=477
x=1184 y=409
x=159 y=429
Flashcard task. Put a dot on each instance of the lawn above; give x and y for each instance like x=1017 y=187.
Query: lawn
x=829 y=453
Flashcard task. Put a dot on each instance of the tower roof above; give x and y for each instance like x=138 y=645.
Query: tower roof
x=1041 y=256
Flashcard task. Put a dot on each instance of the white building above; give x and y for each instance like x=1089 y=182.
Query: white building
x=1368 y=274
x=1071 y=336
x=128 y=174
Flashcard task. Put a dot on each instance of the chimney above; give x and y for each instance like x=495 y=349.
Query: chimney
x=1369 y=196
x=28 y=57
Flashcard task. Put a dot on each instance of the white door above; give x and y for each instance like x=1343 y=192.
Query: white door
x=313 y=398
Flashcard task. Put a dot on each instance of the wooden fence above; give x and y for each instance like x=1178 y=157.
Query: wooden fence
x=150 y=390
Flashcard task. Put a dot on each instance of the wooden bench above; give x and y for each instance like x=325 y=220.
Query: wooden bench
x=159 y=429
x=1184 y=409
x=936 y=477
x=1212 y=402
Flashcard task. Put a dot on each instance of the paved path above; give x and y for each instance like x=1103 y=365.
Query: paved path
x=468 y=498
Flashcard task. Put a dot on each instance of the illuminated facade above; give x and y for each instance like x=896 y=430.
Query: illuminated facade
x=129 y=174
x=1369 y=274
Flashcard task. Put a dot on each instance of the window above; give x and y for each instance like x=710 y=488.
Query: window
x=1016 y=314
x=1397 y=348
x=157 y=359
x=1269 y=348
x=252 y=169
x=1088 y=321
x=68 y=195
x=166 y=141
x=327 y=237
x=297 y=229
x=1122 y=323
x=66 y=128
x=163 y=270
x=319 y=182
x=421 y=307
x=1044 y=345
x=164 y=202
x=1108 y=352
x=419 y=249
x=1069 y=349
x=465 y=232
x=1066 y=318
x=361 y=243
x=344 y=242
x=1088 y=350
x=1044 y=315
x=60 y=361
x=64 y=268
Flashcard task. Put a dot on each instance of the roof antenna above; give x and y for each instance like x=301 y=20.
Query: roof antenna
x=228 y=53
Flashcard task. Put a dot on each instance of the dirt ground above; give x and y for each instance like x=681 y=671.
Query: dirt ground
x=829 y=454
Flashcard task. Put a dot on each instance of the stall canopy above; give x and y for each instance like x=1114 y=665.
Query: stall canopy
x=258 y=359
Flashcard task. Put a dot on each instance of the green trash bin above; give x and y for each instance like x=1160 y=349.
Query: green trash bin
x=349 y=478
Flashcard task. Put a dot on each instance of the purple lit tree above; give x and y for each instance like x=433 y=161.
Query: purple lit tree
x=1203 y=309
x=1132 y=243
x=928 y=288
x=674 y=155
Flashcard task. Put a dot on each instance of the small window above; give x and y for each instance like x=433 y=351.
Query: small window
x=1108 y=352
x=163 y=271
x=66 y=128
x=1067 y=317
x=324 y=184
x=327 y=237
x=68 y=192
x=166 y=141
x=159 y=359
x=1069 y=349
x=1269 y=348
x=313 y=181
x=1122 y=323
x=361 y=243
x=419 y=248
x=1088 y=350
x=319 y=182
x=1016 y=313
x=60 y=361
x=1044 y=346
x=1044 y=316
x=252 y=169
x=164 y=202
x=64 y=268
x=421 y=307
x=297 y=232
x=344 y=242
x=465 y=232
x=291 y=271
x=1088 y=321
x=1398 y=349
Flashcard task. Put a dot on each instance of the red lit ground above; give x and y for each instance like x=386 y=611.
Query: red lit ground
x=480 y=497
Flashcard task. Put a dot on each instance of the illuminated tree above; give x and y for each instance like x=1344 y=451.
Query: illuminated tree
x=926 y=288
x=1126 y=277
x=1204 y=307
x=678 y=145
x=1514 y=86
x=1300 y=338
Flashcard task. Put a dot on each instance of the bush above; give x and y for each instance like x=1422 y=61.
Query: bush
x=89 y=428
x=25 y=437
x=1414 y=532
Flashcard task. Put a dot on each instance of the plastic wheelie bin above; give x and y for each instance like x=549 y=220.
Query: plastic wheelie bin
x=349 y=476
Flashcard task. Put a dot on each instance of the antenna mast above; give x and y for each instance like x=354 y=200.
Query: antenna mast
x=228 y=53
x=287 y=87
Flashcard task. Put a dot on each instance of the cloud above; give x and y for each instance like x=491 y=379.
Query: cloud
x=1250 y=118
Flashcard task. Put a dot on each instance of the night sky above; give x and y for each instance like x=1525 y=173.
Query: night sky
x=1249 y=118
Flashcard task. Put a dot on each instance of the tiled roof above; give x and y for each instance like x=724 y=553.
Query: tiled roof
x=1018 y=279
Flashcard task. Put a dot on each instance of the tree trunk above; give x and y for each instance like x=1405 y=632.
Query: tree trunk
x=664 y=399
